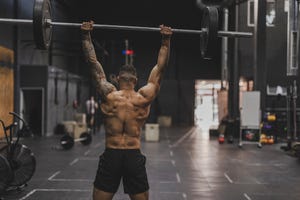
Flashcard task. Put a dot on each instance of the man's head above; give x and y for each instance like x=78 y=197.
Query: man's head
x=127 y=75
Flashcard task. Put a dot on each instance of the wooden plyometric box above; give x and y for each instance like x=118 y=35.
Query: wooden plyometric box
x=79 y=129
x=69 y=126
x=75 y=129
x=80 y=118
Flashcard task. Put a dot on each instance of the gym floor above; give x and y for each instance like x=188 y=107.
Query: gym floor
x=185 y=164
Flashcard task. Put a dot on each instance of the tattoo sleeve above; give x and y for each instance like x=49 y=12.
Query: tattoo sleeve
x=98 y=75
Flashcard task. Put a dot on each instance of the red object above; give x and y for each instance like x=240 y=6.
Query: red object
x=221 y=139
x=127 y=52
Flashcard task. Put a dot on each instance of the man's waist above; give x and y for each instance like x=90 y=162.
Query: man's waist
x=107 y=149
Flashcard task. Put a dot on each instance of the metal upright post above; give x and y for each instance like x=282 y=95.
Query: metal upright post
x=288 y=113
x=224 y=61
x=295 y=137
x=293 y=38
x=259 y=60
x=236 y=77
x=16 y=60
x=233 y=81
x=292 y=66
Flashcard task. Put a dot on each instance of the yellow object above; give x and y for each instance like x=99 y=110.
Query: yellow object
x=271 y=117
x=270 y=140
x=263 y=138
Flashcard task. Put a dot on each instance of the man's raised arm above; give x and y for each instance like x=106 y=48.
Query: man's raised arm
x=152 y=88
x=102 y=85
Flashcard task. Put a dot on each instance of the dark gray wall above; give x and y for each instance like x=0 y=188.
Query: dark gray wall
x=6 y=36
x=276 y=47
x=61 y=109
x=175 y=99
x=61 y=89
x=276 y=53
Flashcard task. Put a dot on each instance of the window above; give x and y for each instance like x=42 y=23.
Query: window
x=270 y=13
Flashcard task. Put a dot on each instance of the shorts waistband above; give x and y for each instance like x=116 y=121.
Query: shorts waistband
x=122 y=150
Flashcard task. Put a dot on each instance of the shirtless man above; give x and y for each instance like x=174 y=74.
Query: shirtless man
x=125 y=112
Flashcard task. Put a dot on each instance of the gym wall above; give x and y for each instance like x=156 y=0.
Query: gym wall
x=276 y=46
x=60 y=88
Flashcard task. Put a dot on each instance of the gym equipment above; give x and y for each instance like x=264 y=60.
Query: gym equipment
x=293 y=144
x=19 y=162
x=42 y=32
x=5 y=173
x=67 y=142
x=208 y=41
x=22 y=163
x=230 y=139
x=221 y=139
x=269 y=117
x=42 y=27
x=250 y=124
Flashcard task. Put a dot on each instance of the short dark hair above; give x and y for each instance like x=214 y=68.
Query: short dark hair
x=128 y=69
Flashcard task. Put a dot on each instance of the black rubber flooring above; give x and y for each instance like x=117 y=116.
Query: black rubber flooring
x=186 y=164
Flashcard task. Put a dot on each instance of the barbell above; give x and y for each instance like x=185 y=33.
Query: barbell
x=42 y=27
x=67 y=142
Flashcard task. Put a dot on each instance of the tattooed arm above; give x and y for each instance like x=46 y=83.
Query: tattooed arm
x=99 y=78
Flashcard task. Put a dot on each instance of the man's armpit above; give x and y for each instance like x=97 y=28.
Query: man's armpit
x=149 y=91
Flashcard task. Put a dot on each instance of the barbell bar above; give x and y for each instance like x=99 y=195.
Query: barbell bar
x=42 y=27
x=67 y=142
x=152 y=29
x=127 y=28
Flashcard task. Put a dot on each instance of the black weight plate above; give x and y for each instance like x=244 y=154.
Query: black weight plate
x=88 y=138
x=5 y=173
x=22 y=162
x=209 y=40
x=67 y=142
x=41 y=31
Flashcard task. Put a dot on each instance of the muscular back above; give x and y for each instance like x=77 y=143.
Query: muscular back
x=125 y=110
x=125 y=113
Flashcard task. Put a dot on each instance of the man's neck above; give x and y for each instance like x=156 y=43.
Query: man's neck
x=126 y=86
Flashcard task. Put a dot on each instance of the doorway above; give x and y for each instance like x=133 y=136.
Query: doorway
x=32 y=109
x=206 y=104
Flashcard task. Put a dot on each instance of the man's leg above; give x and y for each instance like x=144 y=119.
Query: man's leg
x=140 y=196
x=101 y=195
x=135 y=179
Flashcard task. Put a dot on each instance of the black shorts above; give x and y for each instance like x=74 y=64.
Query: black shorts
x=128 y=164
